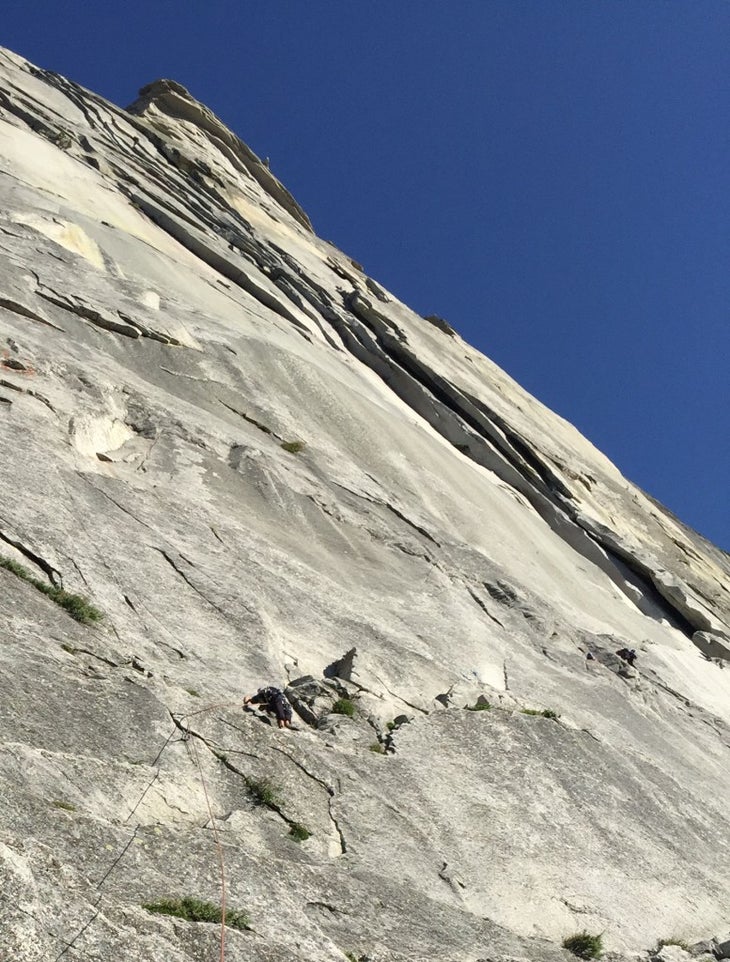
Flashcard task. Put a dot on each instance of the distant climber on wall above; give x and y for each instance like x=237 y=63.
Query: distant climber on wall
x=628 y=655
x=274 y=702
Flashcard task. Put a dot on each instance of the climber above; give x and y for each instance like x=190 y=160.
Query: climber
x=274 y=701
x=628 y=655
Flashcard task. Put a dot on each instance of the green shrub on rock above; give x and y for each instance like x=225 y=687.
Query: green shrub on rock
x=293 y=447
x=344 y=706
x=299 y=832
x=76 y=605
x=584 y=945
x=544 y=713
x=194 y=910
x=264 y=792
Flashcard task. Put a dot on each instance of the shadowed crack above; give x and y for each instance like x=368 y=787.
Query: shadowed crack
x=421 y=711
x=475 y=597
x=390 y=507
x=92 y=654
x=187 y=580
x=328 y=788
x=52 y=573
x=224 y=758
x=97 y=318
x=113 y=501
x=250 y=420
x=16 y=308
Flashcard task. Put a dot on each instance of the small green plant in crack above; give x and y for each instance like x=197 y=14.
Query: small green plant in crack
x=17 y=569
x=76 y=605
x=299 y=832
x=584 y=945
x=293 y=447
x=65 y=806
x=344 y=706
x=479 y=706
x=544 y=713
x=194 y=910
x=193 y=692
x=377 y=748
x=264 y=792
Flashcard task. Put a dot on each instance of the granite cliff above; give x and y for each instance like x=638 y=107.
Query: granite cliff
x=257 y=465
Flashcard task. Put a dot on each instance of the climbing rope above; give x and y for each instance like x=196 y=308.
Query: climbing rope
x=190 y=742
x=188 y=737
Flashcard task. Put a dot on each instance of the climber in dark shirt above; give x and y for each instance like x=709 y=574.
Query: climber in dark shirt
x=628 y=655
x=274 y=701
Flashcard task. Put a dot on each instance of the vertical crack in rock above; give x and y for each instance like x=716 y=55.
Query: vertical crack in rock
x=224 y=758
x=454 y=883
x=330 y=793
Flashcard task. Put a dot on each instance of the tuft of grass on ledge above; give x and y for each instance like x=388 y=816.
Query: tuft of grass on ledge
x=479 y=706
x=544 y=713
x=195 y=910
x=344 y=706
x=264 y=792
x=293 y=447
x=584 y=945
x=299 y=832
x=76 y=605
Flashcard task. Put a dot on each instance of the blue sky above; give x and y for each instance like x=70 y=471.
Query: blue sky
x=549 y=175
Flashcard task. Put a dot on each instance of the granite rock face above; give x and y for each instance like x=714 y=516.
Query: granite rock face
x=263 y=468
